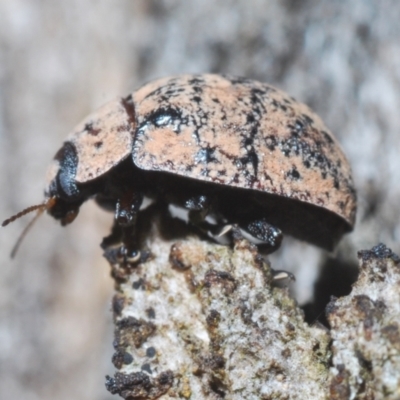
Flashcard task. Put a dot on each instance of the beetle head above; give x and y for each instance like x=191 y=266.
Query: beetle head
x=97 y=145
x=63 y=187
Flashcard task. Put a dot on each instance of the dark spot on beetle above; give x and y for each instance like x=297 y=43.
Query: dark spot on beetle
x=258 y=91
x=298 y=129
x=222 y=173
x=150 y=312
x=150 y=352
x=275 y=103
x=98 y=145
x=268 y=178
x=204 y=171
x=205 y=155
x=293 y=174
x=164 y=116
x=248 y=141
x=306 y=164
x=236 y=178
x=318 y=157
x=139 y=284
x=164 y=98
x=305 y=196
x=250 y=118
x=251 y=158
x=196 y=99
x=327 y=137
x=215 y=100
x=257 y=103
x=188 y=168
x=197 y=89
x=146 y=367
x=123 y=128
x=173 y=92
x=286 y=151
x=237 y=80
x=90 y=130
x=308 y=119
x=336 y=183
x=196 y=81
x=271 y=142
x=155 y=92
x=195 y=134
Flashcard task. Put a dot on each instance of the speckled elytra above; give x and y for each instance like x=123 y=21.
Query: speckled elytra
x=217 y=151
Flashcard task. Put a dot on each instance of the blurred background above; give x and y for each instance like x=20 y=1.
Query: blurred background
x=61 y=60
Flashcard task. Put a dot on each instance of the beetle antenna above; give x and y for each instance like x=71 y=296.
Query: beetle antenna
x=40 y=208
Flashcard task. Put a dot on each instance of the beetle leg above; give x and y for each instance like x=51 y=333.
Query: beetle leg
x=199 y=215
x=114 y=238
x=261 y=233
x=267 y=237
x=279 y=276
x=124 y=231
x=198 y=207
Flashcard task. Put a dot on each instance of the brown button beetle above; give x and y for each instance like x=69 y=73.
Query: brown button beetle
x=221 y=151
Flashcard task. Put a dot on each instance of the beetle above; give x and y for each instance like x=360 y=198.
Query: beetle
x=222 y=152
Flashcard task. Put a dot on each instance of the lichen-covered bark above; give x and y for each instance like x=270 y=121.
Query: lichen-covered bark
x=365 y=331
x=203 y=321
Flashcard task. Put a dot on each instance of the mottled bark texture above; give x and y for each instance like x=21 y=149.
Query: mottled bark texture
x=204 y=321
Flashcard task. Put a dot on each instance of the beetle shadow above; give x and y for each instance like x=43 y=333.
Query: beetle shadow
x=335 y=280
x=169 y=228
